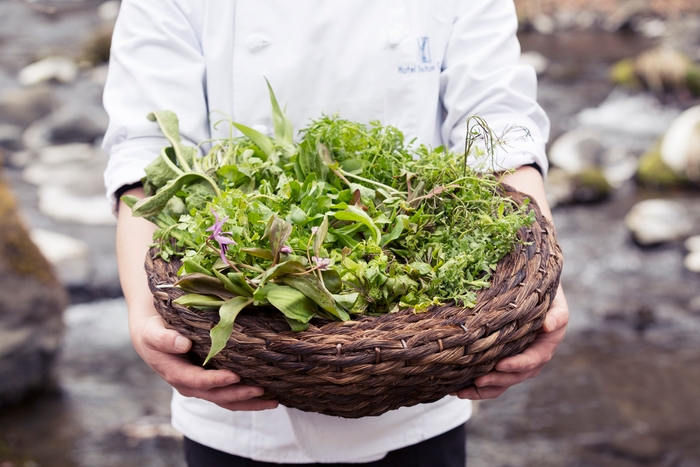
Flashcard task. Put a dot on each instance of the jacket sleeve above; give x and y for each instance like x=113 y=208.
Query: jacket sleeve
x=156 y=63
x=481 y=76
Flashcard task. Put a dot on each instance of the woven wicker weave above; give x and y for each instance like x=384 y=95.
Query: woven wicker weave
x=376 y=364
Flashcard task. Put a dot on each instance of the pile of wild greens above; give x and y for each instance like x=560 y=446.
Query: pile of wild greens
x=352 y=220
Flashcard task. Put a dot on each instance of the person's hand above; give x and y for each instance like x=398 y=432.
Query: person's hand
x=162 y=349
x=530 y=362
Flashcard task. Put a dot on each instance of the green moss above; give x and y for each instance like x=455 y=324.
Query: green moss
x=623 y=73
x=693 y=80
x=18 y=254
x=653 y=172
x=591 y=186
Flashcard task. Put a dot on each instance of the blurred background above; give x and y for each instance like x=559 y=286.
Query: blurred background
x=620 y=80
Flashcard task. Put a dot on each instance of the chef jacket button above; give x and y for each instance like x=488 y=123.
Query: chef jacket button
x=255 y=42
x=394 y=36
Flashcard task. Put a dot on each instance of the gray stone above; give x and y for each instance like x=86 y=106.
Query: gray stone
x=68 y=125
x=31 y=302
x=680 y=149
x=62 y=204
x=69 y=256
x=577 y=150
x=11 y=137
x=59 y=68
x=692 y=262
x=544 y=24
x=692 y=244
x=658 y=221
x=25 y=105
x=109 y=10
x=641 y=448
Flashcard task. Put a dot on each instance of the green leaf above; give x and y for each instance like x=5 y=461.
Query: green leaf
x=221 y=333
x=162 y=168
x=297 y=326
x=170 y=126
x=198 y=300
x=282 y=124
x=262 y=141
x=310 y=286
x=199 y=283
x=151 y=206
x=284 y=268
x=332 y=280
x=259 y=252
x=192 y=266
x=320 y=236
x=278 y=231
x=401 y=222
x=356 y=214
x=240 y=284
x=232 y=287
x=347 y=301
x=130 y=200
x=294 y=304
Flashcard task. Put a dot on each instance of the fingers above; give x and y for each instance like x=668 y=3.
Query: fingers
x=475 y=393
x=538 y=354
x=558 y=313
x=157 y=337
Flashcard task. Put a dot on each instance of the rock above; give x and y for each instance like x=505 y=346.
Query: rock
x=61 y=204
x=662 y=69
x=693 y=244
x=68 y=125
x=20 y=159
x=692 y=262
x=78 y=167
x=652 y=171
x=619 y=166
x=31 y=303
x=25 y=105
x=536 y=60
x=680 y=149
x=639 y=116
x=641 y=448
x=69 y=256
x=577 y=150
x=11 y=137
x=543 y=24
x=653 y=28
x=657 y=221
x=694 y=304
x=560 y=187
x=623 y=73
x=57 y=68
x=624 y=11
x=97 y=46
x=109 y=10
x=587 y=186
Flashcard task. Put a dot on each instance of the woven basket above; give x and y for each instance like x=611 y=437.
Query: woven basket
x=369 y=366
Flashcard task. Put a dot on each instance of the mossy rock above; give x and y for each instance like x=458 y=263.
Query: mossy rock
x=653 y=172
x=693 y=80
x=623 y=73
x=591 y=186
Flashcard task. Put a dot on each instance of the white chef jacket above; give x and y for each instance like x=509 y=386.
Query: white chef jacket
x=423 y=66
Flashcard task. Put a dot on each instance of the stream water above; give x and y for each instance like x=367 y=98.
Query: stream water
x=621 y=391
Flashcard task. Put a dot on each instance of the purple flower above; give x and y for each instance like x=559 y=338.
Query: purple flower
x=314 y=230
x=286 y=249
x=321 y=263
x=218 y=235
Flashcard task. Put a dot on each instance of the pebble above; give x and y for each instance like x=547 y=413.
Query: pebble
x=536 y=60
x=59 y=68
x=69 y=256
x=657 y=221
x=23 y=106
x=577 y=150
x=680 y=149
x=109 y=10
x=11 y=137
x=692 y=262
x=70 y=124
x=692 y=244
x=61 y=204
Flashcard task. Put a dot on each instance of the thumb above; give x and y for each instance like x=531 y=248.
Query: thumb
x=158 y=337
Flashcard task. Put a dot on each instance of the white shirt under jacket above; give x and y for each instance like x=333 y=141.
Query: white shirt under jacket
x=423 y=66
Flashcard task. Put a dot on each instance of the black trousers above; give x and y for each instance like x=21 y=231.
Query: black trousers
x=445 y=450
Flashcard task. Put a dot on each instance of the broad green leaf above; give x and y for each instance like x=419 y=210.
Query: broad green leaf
x=153 y=205
x=262 y=141
x=232 y=287
x=297 y=326
x=221 y=333
x=192 y=266
x=240 y=283
x=130 y=200
x=199 y=283
x=356 y=214
x=347 y=301
x=170 y=126
x=162 y=168
x=292 y=303
x=395 y=233
x=312 y=288
x=198 y=300
x=344 y=239
x=332 y=280
x=284 y=268
x=320 y=236
x=282 y=124
x=259 y=252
